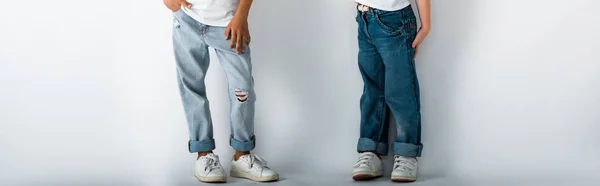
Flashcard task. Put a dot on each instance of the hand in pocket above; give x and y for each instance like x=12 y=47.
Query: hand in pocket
x=175 y=5
x=421 y=35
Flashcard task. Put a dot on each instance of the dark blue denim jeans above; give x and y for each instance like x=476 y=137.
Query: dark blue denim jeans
x=385 y=60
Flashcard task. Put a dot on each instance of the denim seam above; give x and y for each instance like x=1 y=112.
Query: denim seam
x=363 y=16
x=411 y=61
x=382 y=105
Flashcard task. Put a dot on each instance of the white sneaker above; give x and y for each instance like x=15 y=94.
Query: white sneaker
x=368 y=166
x=208 y=169
x=405 y=169
x=252 y=167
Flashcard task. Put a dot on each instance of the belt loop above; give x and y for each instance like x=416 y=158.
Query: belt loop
x=403 y=13
x=361 y=7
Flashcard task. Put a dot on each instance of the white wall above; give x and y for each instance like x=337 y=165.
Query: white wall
x=509 y=89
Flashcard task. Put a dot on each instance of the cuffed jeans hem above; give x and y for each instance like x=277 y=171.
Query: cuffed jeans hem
x=407 y=149
x=242 y=146
x=201 y=146
x=369 y=145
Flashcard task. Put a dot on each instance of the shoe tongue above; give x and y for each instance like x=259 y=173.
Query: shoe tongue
x=248 y=158
x=401 y=157
x=404 y=158
x=209 y=156
x=245 y=157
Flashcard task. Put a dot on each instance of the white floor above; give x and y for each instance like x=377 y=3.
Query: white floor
x=328 y=180
x=293 y=179
x=345 y=180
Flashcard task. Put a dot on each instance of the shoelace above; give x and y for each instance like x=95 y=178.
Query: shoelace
x=212 y=162
x=363 y=159
x=255 y=159
x=405 y=163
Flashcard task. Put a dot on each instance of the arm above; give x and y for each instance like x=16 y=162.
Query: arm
x=424 y=13
x=237 y=30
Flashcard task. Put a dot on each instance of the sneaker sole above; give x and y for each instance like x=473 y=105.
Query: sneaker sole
x=211 y=179
x=254 y=178
x=360 y=176
x=403 y=179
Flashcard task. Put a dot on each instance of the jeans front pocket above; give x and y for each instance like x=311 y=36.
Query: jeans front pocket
x=391 y=22
x=176 y=23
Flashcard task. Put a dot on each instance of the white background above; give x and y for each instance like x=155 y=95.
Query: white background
x=88 y=95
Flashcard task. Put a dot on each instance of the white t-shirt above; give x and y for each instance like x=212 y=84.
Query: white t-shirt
x=212 y=12
x=388 y=5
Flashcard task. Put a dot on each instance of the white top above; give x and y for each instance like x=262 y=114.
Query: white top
x=212 y=12
x=388 y=5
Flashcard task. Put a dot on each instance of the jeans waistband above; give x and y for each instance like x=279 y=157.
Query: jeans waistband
x=364 y=8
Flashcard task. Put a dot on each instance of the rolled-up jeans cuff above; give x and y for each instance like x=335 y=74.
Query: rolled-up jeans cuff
x=407 y=149
x=201 y=146
x=242 y=146
x=369 y=145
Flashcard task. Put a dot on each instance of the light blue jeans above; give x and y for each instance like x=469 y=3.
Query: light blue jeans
x=191 y=42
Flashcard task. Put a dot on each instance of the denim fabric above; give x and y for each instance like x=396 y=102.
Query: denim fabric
x=191 y=42
x=385 y=60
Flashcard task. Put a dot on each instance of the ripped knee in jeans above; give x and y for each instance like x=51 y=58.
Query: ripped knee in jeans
x=241 y=95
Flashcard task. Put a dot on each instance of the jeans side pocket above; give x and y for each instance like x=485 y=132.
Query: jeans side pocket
x=391 y=22
x=411 y=33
